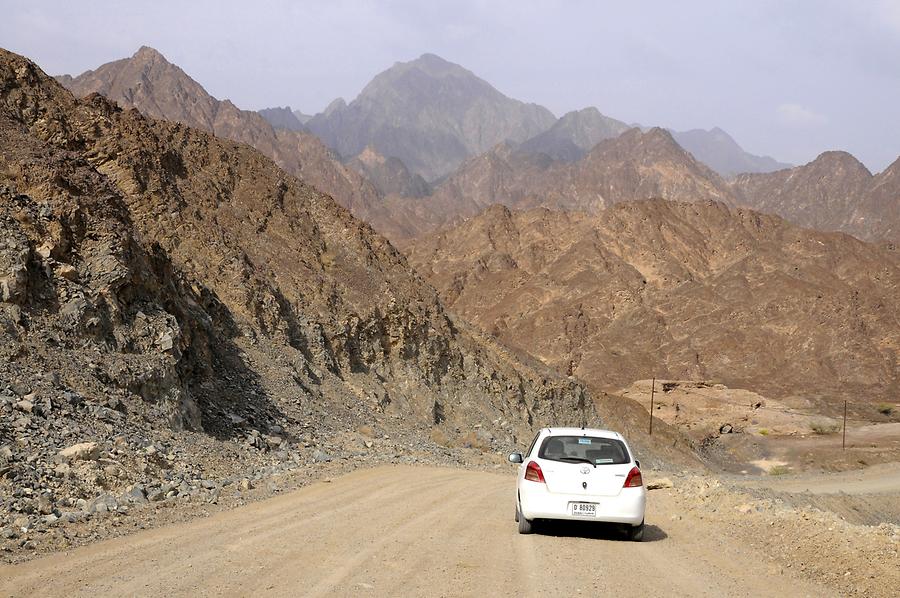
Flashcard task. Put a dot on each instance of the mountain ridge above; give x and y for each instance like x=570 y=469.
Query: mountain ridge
x=833 y=192
x=160 y=89
x=698 y=291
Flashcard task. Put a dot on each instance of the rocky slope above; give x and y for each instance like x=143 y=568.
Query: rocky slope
x=691 y=291
x=833 y=192
x=160 y=89
x=429 y=113
x=636 y=165
x=718 y=150
x=155 y=277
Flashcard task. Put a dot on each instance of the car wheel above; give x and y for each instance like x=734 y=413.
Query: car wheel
x=636 y=532
x=525 y=526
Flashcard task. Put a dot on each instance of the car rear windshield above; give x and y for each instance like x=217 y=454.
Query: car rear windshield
x=584 y=449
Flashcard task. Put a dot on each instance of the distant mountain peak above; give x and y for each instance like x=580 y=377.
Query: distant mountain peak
x=839 y=157
x=655 y=134
x=148 y=52
x=430 y=113
x=718 y=150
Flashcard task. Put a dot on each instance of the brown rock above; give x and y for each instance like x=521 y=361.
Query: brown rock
x=84 y=451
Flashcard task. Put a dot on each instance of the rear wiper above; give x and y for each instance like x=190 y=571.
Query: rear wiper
x=578 y=460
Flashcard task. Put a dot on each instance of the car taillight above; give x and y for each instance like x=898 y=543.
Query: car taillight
x=634 y=479
x=533 y=473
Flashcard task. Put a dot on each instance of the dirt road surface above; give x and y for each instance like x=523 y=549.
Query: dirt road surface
x=407 y=531
x=877 y=479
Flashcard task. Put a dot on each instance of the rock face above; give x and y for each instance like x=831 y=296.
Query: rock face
x=215 y=292
x=718 y=150
x=160 y=89
x=833 y=192
x=429 y=113
x=683 y=290
x=636 y=165
x=283 y=118
x=574 y=135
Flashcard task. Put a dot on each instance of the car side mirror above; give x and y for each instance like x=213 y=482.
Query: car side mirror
x=515 y=457
x=638 y=463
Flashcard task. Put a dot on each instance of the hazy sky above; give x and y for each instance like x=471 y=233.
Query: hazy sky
x=788 y=78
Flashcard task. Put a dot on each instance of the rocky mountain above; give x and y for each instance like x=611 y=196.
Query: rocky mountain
x=283 y=118
x=695 y=291
x=833 y=192
x=160 y=89
x=635 y=165
x=429 y=113
x=388 y=174
x=574 y=135
x=153 y=275
x=718 y=150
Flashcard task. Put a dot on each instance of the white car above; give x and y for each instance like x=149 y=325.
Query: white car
x=582 y=474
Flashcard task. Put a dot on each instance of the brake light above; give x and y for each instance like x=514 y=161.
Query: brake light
x=533 y=473
x=634 y=479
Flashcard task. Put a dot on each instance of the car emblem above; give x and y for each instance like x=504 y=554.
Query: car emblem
x=585 y=469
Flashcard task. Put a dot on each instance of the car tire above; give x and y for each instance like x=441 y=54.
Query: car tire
x=525 y=526
x=636 y=532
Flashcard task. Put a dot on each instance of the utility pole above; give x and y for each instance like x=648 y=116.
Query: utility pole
x=844 y=439
x=652 y=392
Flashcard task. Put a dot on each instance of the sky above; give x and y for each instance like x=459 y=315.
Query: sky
x=786 y=78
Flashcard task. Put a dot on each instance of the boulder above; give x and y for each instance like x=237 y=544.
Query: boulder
x=659 y=483
x=84 y=451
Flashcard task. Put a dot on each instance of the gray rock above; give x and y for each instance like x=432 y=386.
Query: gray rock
x=135 y=494
x=321 y=457
x=102 y=504
x=20 y=388
x=9 y=533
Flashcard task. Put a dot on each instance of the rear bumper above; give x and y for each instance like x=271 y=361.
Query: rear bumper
x=628 y=507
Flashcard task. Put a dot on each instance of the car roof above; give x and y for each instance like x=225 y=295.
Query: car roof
x=582 y=432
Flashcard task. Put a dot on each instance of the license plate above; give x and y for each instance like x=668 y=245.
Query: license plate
x=584 y=509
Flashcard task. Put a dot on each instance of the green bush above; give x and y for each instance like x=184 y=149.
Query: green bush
x=824 y=427
x=885 y=409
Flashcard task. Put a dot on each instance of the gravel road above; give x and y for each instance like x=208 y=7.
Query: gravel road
x=877 y=479
x=409 y=531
